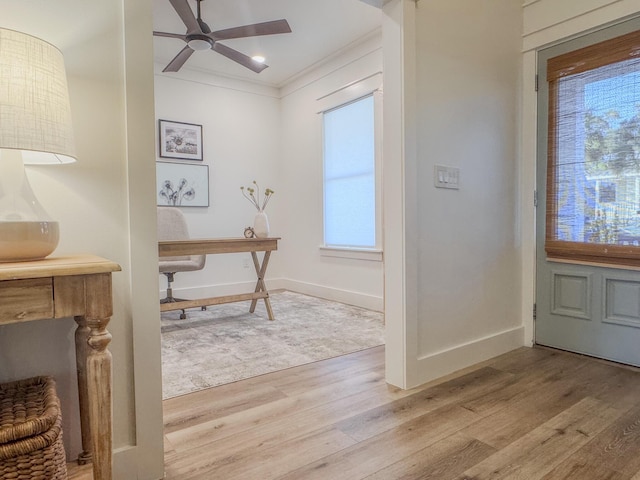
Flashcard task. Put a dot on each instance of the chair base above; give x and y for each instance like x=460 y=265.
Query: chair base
x=171 y=299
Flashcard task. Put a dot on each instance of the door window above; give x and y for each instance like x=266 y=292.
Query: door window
x=593 y=165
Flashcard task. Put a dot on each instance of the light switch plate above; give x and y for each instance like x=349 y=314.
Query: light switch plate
x=446 y=177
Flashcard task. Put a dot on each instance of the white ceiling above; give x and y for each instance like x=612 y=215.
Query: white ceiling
x=319 y=29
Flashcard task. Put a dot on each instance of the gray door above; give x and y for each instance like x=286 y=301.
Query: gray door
x=589 y=309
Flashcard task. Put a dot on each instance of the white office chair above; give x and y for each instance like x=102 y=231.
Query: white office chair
x=173 y=226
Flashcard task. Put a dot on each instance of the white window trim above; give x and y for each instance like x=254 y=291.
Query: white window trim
x=350 y=93
x=354 y=253
x=371 y=85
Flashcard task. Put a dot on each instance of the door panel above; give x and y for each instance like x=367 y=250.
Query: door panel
x=589 y=309
x=571 y=294
x=622 y=301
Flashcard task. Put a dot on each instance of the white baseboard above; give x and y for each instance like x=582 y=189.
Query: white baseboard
x=362 y=300
x=126 y=465
x=439 y=364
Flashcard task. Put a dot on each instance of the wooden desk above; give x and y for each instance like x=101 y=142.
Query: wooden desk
x=224 y=245
x=80 y=287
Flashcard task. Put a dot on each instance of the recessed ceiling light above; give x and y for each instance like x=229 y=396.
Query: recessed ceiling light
x=258 y=58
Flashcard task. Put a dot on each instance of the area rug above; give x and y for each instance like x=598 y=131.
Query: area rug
x=226 y=343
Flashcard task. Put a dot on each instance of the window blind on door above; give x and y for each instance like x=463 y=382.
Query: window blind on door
x=593 y=165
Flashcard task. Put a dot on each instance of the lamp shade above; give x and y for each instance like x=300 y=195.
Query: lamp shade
x=35 y=116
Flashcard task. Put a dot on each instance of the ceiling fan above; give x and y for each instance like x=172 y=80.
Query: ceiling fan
x=200 y=37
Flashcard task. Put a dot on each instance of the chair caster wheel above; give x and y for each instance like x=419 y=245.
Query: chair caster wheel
x=204 y=309
x=183 y=316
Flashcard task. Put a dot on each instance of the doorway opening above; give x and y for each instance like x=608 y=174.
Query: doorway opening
x=270 y=132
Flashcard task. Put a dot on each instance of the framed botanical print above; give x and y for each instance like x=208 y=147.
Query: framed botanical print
x=182 y=184
x=180 y=140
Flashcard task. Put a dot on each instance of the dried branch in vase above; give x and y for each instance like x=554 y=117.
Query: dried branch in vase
x=253 y=195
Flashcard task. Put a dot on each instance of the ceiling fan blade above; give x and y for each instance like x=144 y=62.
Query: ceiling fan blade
x=254 y=30
x=171 y=35
x=186 y=15
x=238 y=57
x=178 y=61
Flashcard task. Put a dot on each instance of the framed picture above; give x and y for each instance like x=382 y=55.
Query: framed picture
x=180 y=140
x=182 y=184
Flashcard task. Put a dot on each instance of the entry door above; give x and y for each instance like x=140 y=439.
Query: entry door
x=585 y=301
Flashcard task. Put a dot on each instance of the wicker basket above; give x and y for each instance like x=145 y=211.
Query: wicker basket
x=30 y=431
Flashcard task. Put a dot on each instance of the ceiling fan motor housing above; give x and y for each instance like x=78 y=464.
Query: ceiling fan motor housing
x=199 y=42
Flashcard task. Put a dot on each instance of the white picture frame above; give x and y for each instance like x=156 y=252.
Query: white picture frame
x=182 y=184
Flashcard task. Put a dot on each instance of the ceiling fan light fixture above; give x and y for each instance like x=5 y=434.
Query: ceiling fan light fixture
x=258 y=58
x=200 y=37
x=199 y=44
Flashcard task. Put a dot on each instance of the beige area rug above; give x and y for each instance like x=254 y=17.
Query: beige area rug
x=226 y=343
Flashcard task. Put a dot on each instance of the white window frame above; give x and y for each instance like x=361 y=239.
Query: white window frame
x=369 y=86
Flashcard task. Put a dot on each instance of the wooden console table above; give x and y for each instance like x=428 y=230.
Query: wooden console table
x=224 y=245
x=80 y=287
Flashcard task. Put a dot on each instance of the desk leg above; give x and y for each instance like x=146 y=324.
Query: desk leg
x=82 y=337
x=261 y=270
x=95 y=378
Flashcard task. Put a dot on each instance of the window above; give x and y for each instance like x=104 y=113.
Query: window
x=350 y=175
x=593 y=167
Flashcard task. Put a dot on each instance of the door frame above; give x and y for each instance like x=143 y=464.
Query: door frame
x=399 y=211
x=598 y=328
x=562 y=32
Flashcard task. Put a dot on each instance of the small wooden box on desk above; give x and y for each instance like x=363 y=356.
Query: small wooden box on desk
x=76 y=286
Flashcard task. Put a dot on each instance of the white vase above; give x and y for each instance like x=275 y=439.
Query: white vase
x=261 y=225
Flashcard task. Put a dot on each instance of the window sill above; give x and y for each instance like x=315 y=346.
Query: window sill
x=369 y=254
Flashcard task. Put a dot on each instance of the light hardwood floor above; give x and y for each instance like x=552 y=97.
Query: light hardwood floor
x=529 y=414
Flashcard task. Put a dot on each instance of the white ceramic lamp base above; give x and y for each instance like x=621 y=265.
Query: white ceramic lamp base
x=26 y=230
x=25 y=241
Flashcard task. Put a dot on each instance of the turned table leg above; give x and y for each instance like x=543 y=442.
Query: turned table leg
x=82 y=336
x=94 y=376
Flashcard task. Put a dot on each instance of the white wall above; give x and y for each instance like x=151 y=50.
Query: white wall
x=359 y=282
x=241 y=143
x=463 y=265
x=94 y=204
